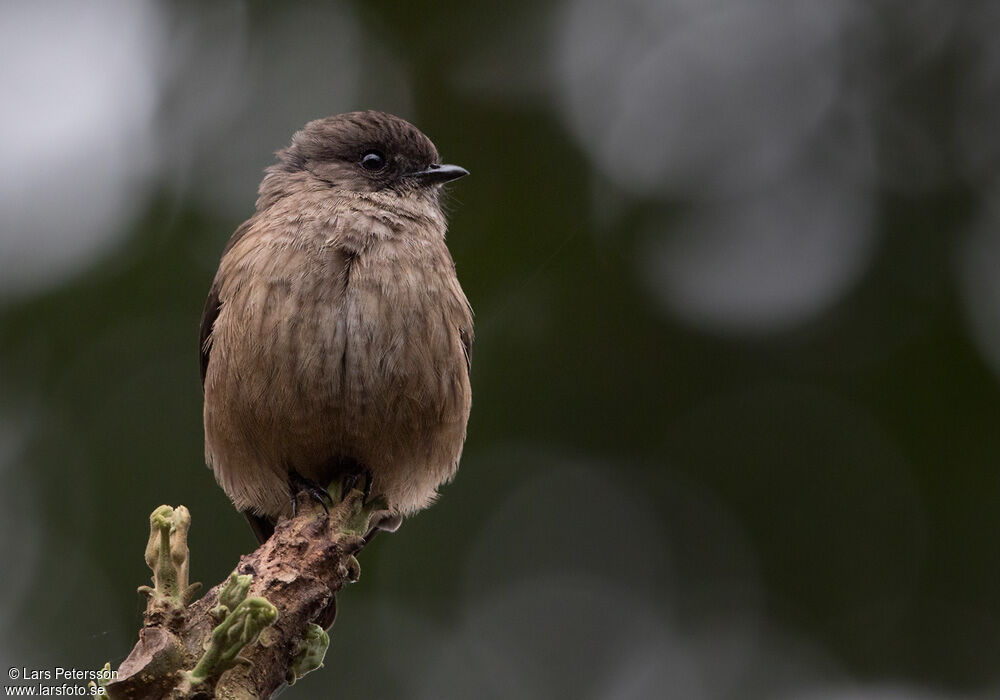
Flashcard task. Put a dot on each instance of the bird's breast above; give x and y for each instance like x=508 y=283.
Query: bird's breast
x=398 y=324
x=347 y=337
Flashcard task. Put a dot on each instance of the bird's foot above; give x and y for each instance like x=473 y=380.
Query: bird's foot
x=351 y=481
x=299 y=485
x=338 y=490
x=366 y=512
x=375 y=507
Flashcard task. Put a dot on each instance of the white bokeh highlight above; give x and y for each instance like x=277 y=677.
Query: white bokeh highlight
x=80 y=86
x=110 y=101
x=763 y=262
x=713 y=104
x=681 y=95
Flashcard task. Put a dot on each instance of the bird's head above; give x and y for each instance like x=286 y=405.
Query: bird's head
x=364 y=152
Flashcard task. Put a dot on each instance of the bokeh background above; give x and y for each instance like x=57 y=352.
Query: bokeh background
x=736 y=428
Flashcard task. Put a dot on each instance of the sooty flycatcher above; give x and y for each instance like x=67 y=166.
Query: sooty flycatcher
x=335 y=342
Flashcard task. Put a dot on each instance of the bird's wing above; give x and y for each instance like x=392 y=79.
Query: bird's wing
x=212 y=306
x=466 y=337
x=208 y=316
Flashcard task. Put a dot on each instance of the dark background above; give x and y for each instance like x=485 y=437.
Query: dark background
x=734 y=265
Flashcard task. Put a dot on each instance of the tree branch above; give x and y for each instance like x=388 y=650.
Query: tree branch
x=263 y=626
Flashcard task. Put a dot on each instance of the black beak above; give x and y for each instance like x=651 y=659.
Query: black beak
x=436 y=174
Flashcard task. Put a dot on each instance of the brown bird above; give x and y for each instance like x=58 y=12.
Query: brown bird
x=336 y=339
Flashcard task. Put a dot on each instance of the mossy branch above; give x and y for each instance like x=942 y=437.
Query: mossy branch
x=260 y=628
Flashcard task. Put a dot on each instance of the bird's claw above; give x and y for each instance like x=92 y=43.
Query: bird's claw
x=350 y=481
x=313 y=492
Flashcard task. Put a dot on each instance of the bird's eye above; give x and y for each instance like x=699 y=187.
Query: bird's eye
x=373 y=161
